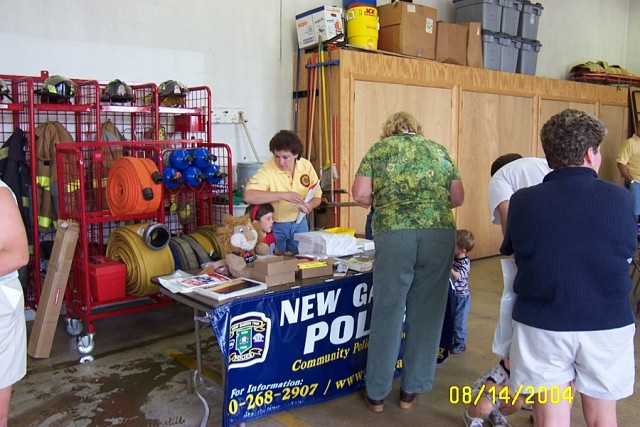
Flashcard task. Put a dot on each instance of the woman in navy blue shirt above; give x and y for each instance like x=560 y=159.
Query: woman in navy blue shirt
x=572 y=238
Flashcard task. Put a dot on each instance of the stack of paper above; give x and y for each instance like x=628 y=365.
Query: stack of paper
x=330 y=244
x=182 y=282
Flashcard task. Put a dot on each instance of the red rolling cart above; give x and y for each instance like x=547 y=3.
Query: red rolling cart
x=82 y=170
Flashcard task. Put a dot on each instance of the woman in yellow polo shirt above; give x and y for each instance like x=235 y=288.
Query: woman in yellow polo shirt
x=284 y=181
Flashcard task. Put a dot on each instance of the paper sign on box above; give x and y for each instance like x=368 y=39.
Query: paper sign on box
x=316 y=269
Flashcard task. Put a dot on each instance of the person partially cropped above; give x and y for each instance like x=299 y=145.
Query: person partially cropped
x=465 y=241
x=413 y=184
x=285 y=180
x=263 y=214
x=14 y=253
x=628 y=163
x=509 y=173
x=572 y=237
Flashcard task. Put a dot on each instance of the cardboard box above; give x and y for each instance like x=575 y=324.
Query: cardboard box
x=322 y=23
x=275 y=265
x=474 y=44
x=107 y=278
x=451 y=45
x=275 y=279
x=408 y=28
x=53 y=289
x=317 y=271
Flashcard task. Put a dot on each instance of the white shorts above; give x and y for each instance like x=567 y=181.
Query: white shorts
x=601 y=362
x=13 y=334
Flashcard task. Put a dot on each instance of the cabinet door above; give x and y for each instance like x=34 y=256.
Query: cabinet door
x=373 y=103
x=615 y=119
x=490 y=125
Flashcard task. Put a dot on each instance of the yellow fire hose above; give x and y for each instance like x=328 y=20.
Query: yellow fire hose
x=126 y=245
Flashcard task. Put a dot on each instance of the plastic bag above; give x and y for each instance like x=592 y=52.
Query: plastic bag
x=504 y=329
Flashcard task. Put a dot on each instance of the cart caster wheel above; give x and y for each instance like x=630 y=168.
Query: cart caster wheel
x=86 y=343
x=86 y=359
x=74 y=327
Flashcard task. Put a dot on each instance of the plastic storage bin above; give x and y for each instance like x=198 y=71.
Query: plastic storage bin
x=500 y=51
x=510 y=17
x=491 y=50
x=510 y=48
x=488 y=12
x=529 y=19
x=528 y=57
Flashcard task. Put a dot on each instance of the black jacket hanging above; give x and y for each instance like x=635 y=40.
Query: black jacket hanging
x=15 y=172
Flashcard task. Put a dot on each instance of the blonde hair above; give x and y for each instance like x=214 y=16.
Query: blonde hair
x=399 y=123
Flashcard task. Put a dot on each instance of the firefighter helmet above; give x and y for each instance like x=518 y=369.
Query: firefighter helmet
x=117 y=91
x=172 y=93
x=57 y=90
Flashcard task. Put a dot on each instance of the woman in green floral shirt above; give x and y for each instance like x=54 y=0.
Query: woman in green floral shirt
x=413 y=183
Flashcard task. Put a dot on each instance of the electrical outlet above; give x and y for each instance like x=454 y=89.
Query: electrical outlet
x=222 y=115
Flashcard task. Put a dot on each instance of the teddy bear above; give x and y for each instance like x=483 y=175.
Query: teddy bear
x=242 y=244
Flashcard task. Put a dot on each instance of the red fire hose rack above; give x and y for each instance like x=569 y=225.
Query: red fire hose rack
x=82 y=169
x=100 y=131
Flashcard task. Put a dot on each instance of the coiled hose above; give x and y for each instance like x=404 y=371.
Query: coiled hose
x=126 y=245
x=134 y=186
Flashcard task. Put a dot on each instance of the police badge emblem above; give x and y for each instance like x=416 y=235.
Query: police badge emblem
x=248 y=339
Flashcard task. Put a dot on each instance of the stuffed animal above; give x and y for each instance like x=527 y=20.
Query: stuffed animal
x=242 y=244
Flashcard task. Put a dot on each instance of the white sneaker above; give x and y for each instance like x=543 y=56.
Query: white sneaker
x=498 y=420
x=470 y=421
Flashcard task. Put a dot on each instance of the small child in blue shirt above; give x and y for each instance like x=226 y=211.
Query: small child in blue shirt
x=460 y=274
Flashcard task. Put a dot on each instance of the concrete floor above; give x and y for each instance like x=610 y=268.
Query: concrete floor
x=142 y=366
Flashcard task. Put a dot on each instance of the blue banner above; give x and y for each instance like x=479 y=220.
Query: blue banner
x=295 y=347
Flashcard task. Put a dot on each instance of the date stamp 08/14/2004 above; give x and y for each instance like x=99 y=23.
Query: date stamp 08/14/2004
x=543 y=394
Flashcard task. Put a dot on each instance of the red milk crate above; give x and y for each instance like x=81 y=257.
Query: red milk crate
x=107 y=278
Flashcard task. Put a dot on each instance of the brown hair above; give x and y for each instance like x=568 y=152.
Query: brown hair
x=286 y=140
x=256 y=212
x=505 y=159
x=465 y=240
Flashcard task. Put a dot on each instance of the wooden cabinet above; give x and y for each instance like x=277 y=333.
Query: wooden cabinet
x=477 y=114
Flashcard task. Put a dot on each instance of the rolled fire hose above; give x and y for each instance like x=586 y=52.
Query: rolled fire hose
x=134 y=186
x=155 y=235
x=205 y=243
x=184 y=257
x=201 y=253
x=143 y=263
x=211 y=231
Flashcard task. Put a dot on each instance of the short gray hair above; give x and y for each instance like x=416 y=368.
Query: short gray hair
x=568 y=135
